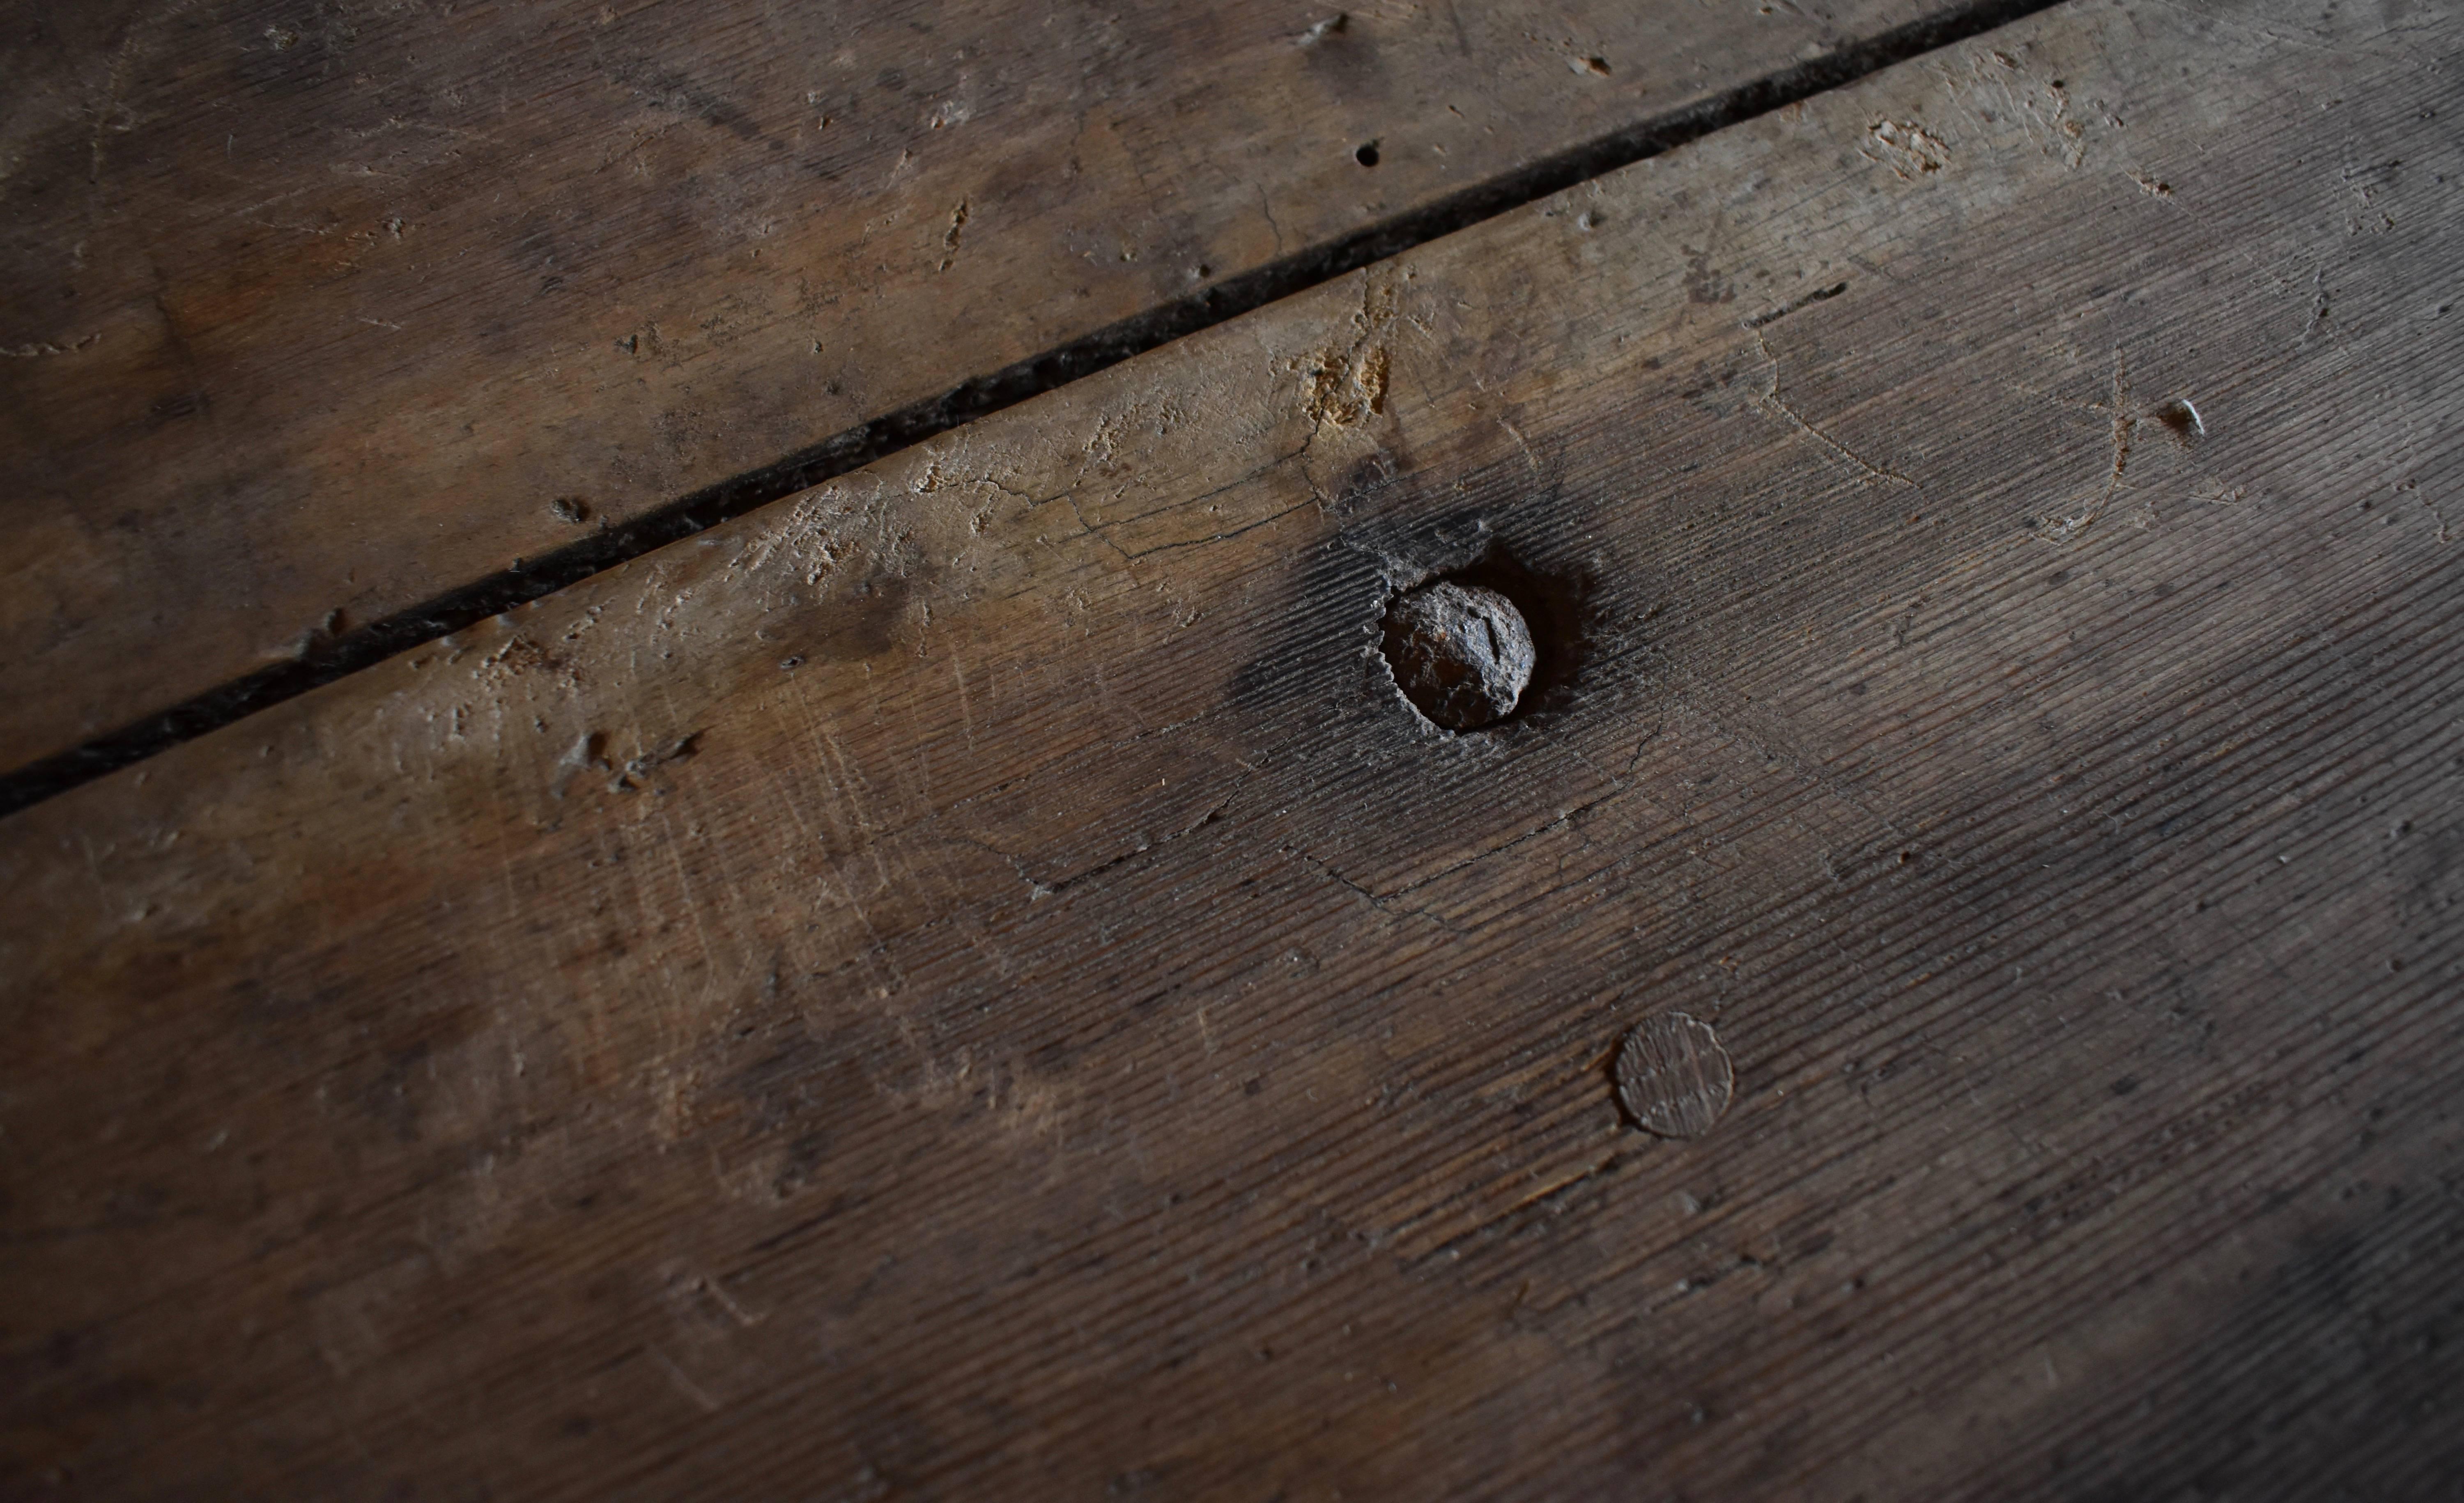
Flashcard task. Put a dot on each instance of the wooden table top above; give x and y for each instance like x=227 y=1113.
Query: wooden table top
x=971 y=980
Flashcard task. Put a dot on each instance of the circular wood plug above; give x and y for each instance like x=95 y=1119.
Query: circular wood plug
x=1673 y=1076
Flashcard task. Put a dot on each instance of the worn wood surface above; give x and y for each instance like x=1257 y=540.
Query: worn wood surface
x=970 y=983
x=313 y=314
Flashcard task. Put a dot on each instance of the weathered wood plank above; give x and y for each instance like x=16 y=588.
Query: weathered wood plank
x=313 y=315
x=971 y=983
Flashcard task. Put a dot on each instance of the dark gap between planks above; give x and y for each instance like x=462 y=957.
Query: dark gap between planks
x=365 y=646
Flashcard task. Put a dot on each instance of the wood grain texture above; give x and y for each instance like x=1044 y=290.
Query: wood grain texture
x=972 y=984
x=315 y=313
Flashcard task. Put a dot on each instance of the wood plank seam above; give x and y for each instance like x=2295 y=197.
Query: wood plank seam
x=325 y=660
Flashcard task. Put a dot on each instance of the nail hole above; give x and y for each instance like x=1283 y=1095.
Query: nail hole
x=1365 y=154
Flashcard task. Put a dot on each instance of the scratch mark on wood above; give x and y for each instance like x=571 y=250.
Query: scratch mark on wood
x=684 y=1385
x=42 y=348
x=1875 y=474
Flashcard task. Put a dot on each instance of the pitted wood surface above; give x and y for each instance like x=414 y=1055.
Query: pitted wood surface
x=971 y=983
x=317 y=313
